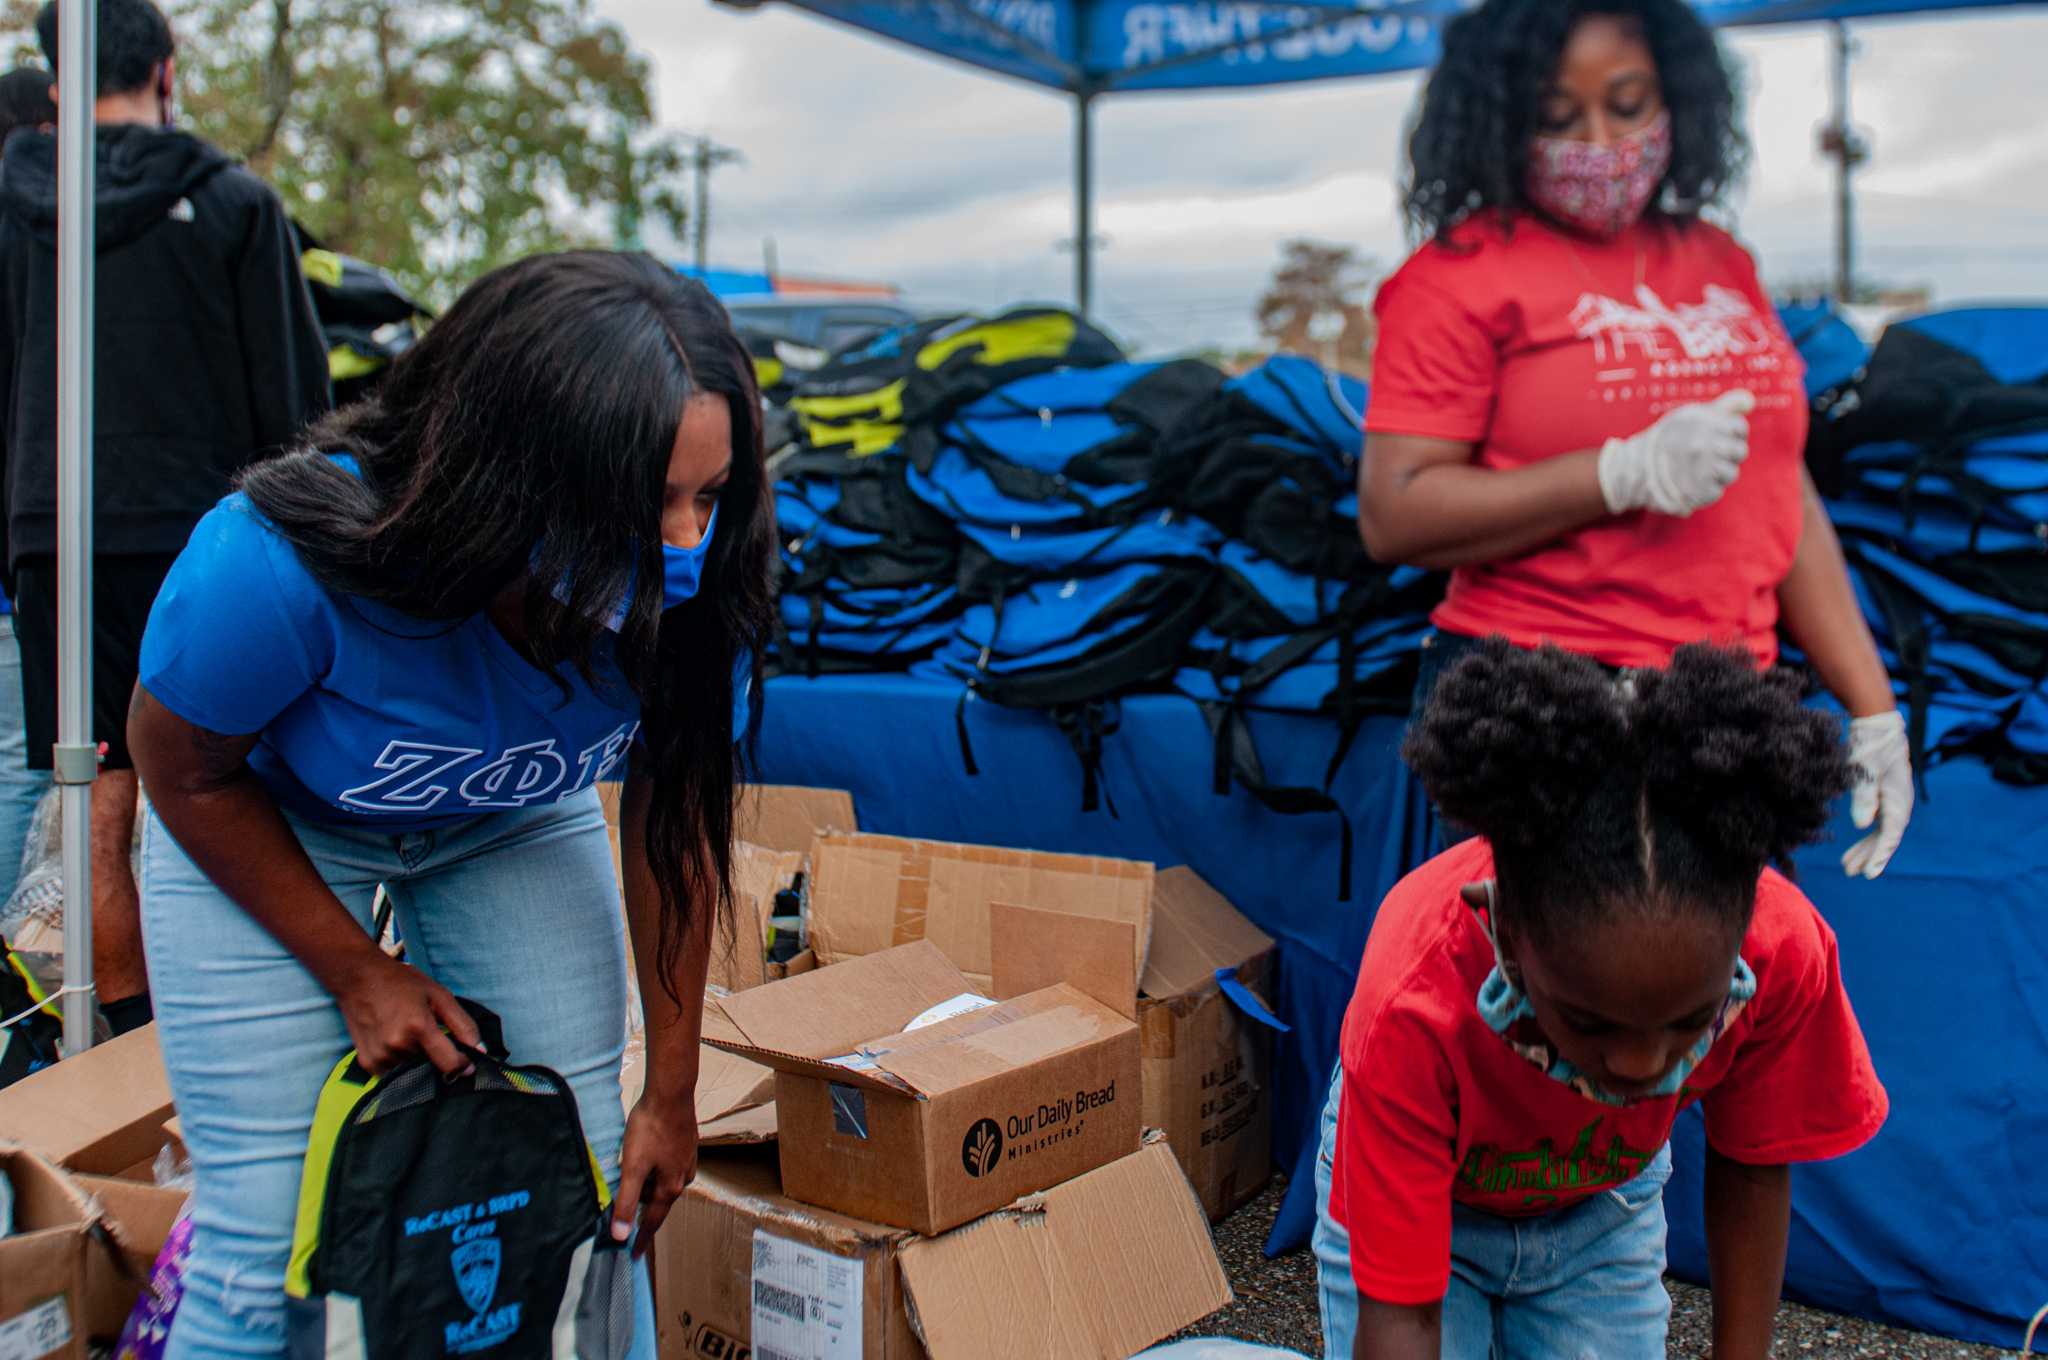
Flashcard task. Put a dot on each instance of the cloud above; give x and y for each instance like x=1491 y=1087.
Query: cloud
x=865 y=159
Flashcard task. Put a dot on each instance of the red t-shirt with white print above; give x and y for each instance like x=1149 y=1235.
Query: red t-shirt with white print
x=1438 y=1108
x=1533 y=342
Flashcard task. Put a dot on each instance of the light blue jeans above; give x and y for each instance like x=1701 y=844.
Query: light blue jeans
x=517 y=910
x=20 y=787
x=1585 y=1283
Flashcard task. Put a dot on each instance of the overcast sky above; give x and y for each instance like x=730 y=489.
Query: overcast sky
x=871 y=161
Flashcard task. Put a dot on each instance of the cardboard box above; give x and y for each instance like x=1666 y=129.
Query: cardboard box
x=758 y=875
x=1097 y=1268
x=44 y=1266
x=1208 y=1068
x=778 y=817
x=932 y=1128
x=102 y=1110
x=735 y=1098
x=870 y=892
x=785 y=817
x=138 y=1216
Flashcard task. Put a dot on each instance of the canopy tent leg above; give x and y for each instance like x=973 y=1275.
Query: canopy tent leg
x=76 y=758
x=1084 y=200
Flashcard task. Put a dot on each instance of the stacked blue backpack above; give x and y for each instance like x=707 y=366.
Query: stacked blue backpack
x=1935 y=471
x=1060 y=529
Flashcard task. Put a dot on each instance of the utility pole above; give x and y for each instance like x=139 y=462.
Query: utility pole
x=626 y=211
x=1843 y=145
x=705 y=156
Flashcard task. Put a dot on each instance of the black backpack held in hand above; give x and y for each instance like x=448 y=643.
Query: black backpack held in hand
x=464 y=1217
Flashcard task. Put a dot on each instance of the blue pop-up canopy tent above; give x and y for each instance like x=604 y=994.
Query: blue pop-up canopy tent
x=1090 y=48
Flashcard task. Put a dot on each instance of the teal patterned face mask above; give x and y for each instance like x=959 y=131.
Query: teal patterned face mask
x=1502 y=1005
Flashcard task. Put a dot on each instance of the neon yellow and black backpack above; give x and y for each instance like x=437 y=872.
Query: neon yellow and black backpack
x=863 y=400
x=462 y=1217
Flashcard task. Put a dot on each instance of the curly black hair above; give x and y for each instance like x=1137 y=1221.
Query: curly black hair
x=1469 y=148
x=1666 y=792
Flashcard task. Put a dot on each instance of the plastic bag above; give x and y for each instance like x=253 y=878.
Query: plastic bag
x=39 y=891
x=148 y=1329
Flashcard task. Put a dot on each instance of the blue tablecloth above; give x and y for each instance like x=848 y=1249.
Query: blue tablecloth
x=1938 y=1224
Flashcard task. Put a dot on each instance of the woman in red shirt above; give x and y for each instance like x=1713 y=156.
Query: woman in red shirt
x=1537 y=1005
x=1582 y=402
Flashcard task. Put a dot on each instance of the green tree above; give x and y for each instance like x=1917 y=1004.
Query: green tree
x=1315 y=305
x=437 y=138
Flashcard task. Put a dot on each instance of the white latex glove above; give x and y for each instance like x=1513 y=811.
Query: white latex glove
x=1683 y=462
x=1883 y=792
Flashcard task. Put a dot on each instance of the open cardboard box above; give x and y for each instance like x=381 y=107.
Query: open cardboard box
x=784 y=817
x=46 y=1264
x=1097 y=1268
x=101 y=1111
x=758 y=876
x=1208 y=1064
x=735 y=1098
x=775 y=817
x=929 y=1129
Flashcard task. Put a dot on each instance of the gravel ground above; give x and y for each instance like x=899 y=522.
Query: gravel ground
x=1276 y=1306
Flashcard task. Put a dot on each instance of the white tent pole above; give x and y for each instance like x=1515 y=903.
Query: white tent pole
x=1084 y=201
x=76 y=758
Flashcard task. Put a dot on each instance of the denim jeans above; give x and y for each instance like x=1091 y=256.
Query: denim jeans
x=1584 y=1283
x=518 y=910
x=20 y=787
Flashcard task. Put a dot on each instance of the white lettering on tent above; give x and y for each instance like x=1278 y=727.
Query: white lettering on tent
x=1035 y=21
x=1156 y=33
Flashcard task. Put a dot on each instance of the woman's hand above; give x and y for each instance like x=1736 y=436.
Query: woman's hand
x=1883 y=793
x=656 y=1162
x=394 y=1011
x=1684 y=462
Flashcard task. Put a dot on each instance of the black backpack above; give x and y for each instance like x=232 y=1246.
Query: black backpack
x=463 y=1217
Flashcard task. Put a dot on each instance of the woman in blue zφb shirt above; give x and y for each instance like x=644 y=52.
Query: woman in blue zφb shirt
x=404 y=656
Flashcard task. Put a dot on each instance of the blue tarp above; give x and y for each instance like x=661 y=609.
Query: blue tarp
x=1112 y=45
x=1939 y=1224
x=729 y=282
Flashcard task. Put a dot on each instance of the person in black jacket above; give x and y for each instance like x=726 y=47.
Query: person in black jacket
x=207 y=355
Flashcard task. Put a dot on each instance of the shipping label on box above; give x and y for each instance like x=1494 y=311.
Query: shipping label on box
x=807 y=1302
x=1097 y=1268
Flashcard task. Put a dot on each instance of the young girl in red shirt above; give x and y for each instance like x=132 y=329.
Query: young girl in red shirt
x=1537 y=1005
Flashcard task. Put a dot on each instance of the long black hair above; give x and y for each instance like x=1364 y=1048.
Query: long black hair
x=1666 y=793
x=529 y=433
x=1469 y=149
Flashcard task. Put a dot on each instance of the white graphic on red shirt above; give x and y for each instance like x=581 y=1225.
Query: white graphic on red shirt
x=1673 y=353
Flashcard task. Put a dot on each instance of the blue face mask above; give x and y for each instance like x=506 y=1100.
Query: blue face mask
x=682 y=569
x=682 y=572
x=1502 y=1005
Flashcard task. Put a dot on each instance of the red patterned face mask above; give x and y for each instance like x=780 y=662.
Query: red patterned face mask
x=1600 y=189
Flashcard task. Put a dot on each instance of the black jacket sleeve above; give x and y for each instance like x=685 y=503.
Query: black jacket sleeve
x=284 y=352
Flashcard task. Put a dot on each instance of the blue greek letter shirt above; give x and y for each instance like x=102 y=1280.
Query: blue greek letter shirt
x=368 y=716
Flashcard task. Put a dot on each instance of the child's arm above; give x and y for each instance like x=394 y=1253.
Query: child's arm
x=1749 y=1212
x=1392 y=1331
